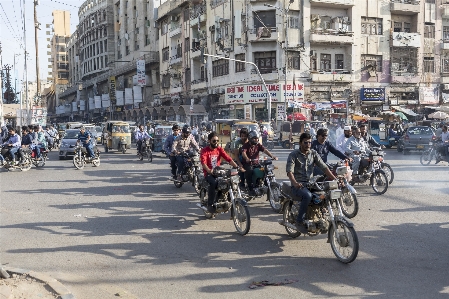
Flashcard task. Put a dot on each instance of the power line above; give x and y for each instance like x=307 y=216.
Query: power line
x=10 y=25
x=64 y=3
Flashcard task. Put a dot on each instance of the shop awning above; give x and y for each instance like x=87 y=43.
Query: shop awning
x=405 y=111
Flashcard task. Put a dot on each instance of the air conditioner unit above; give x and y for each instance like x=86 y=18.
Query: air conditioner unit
x=266 y=32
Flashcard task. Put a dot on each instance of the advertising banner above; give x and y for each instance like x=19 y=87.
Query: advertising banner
x=91 y=104
x=120 y=99
x=372 y=94
x=74 y=107
x=281 y=112
x=82 y=105
x=248 y=112
x=39 y=115
x=97 y=102
x=141 y=78
x=112 y=86
x=105 y=101
x=293 y=92
x=428 y=95
x=137 y=94
x=129 y=96
x=256 y=93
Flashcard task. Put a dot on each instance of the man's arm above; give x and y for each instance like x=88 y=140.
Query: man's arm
x=293 y=180
x=267 y=152
x=372 y=141
x=194 y=143
x=319 y=162
x=336 y=152
x=290 y=168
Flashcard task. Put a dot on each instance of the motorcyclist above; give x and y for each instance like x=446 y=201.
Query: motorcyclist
x=205 y=133
x=299 y=169
x=13 y=143
x=50 y=135
x=322 y=146
x=39 y=140
x=368 y=138
x=443 y=148
x=168 y=145
x=355 y=146
x=342 y=139
x=238 y=153
x=140 y=136
x=27 y=142
x=3 y=132
x=250 y=152
x=86 y=140
x=182 y=144
x=210 y=158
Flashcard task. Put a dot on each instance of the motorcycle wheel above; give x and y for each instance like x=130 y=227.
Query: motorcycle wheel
x=96 y=162
x=178 y=184
x=242 y=221
x=195 y=184
x=42 y=162
x=203 y=199
x=274 y=197
x=27 y=165
x=289 y=217
x=388 y=171
x=286 y=144
x=140 y=157
x=123 y=148
x=426 y=157
x=78 y=162
x=150 y=156
x=379 y=182
x=344 y=242
x=349 y=204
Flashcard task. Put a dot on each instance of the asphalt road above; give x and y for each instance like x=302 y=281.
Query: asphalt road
x=123 y=229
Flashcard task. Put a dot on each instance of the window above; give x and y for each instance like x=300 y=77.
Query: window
x=127 y=50
x=164 y=28
x=325 y=62
x=429 y=65
x=203 y=73
x=339 y=62
x=166 y=81
x=265 y=61
x=429 y=31
x=372 y=62
x=293 y=22
x=404 y=62
x=220 y=68
x=239 y=66
x=371 y=26
x=407 y=27
x=265 y=18
x=294 y=60
x=136 y=44
x=165 y=54
x=445 y=63
x=445 y=33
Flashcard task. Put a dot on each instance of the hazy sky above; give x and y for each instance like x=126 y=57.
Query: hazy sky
x=11 y=32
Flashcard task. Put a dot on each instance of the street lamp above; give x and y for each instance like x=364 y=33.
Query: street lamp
x=285 y=11
x=257 y=69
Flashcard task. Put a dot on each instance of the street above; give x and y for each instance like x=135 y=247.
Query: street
x=123 y=229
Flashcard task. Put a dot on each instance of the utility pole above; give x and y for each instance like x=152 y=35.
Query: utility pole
x=36 y=28
x=25 y=66
x=1 y=87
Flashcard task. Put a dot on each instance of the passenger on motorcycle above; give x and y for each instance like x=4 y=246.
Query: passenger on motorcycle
x=342 y=139
x=3 y=133
x=140 y=136
x=86 y=140
x=367 y=137
x=250 y=152
x=27 y=142
x=168 y=149
x=50 y=135
x=39 y=140
x=355 y=147
x=300 y=164
x=205 y=133
x=12 y=142
x=443 y=148
x=210 y=158
x=238 y=153
x=322 y=146
x=182 y=144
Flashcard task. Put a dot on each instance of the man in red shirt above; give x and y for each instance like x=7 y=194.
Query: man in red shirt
x=250 y=152
x=210 y=158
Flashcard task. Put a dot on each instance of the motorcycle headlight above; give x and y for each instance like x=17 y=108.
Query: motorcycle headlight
x=335 y=194
x=222 y=185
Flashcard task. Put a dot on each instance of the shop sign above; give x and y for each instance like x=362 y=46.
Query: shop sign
x=281 y=112
x=256 y=93
x=372 y=94
x=428 y=95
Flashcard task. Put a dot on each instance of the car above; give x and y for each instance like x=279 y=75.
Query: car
x=68 y=143
x=415 y=138
x=96 y=131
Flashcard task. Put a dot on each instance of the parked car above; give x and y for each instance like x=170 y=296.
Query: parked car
x=415 y=138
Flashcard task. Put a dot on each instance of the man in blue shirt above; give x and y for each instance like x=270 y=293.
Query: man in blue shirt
x=85 y=139
x=26 y=141
x=168 y=149
x=323 y=147
x=140 y=136
x=12 y=143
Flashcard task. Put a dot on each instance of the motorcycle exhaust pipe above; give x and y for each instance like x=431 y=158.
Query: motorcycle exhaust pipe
x=287 y=224
x=201 y=207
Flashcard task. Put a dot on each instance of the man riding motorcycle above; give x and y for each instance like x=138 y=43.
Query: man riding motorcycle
x=355 y=146
x=39 y=140
x=12 y=142
x=168 y=149
x=182 y=144
x=238 y=153
x=50 y=135
x=323 y=147
x=86 y=140
x=367 y=137
x=27 y=141
x=300 y=164
x=342 y=139
x=250 y=151
x=210 y=158
x=140 y=136
x=443 y=148
x=205 y=133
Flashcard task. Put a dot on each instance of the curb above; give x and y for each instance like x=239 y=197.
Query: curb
x=61 y=291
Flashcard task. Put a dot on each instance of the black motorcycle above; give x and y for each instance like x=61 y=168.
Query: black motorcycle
x=227 y=198
x=81 y=157
x=432 y=152
x=16 y=165
x=39 y=162
x=370 y=170
x=145 y=151
x=192 y=170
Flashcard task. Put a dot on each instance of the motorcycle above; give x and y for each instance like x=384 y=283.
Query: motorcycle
x=324 y=216
x=16 y=165
x=380 y=164
x=145 y=151
x=264 y=182
x=39 y=162
x=348 y=199
x=81 y=157
x=432 y=152
x=227 y=198
x=369 y=170
x=268 y=144
x=192 y=170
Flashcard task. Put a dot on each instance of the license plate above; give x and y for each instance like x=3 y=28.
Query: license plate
x=420 y=146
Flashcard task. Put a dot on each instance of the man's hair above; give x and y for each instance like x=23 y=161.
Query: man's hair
x=211 y=135
x=444 y=127
x=321 y=131
x=304 y=136
x=175 y=127
x=243 y=131
x=354 y=128
x=362 y=125
x=25 y=128
x=11 y=129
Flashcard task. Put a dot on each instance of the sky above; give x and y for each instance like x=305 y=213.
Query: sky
x=12 y=33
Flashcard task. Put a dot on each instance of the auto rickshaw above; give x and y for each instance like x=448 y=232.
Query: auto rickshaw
x=118 y=136
x=296 y=128
x=229 y=131
x=161 y=132
x=378 y=129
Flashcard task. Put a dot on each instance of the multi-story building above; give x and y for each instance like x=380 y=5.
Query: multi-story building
x=73 y=60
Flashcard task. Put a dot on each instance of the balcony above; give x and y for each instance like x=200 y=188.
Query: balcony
x=343 y=76
x=175 y=30
x=340 y=3
x=195 y=53
x=263 y=34
x=267 y=74
x=200 y=18
x=175 y=60
x=405 y=7
x=330 y=36
x=176 y=88
x=198 y=84
x=404 y=39
x=404 y=77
